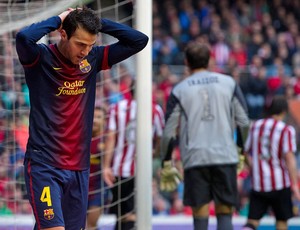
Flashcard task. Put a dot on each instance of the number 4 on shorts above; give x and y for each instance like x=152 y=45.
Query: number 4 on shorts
x=46 y=197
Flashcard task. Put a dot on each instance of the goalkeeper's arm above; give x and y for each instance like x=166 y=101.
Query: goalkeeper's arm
x=170 y=176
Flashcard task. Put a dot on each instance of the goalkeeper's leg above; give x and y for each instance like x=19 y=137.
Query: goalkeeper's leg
x=224 y=216
x=200 y=216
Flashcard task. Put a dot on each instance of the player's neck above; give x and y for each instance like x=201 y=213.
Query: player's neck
x=198 y=70
x=278 y=117
x=61 y=49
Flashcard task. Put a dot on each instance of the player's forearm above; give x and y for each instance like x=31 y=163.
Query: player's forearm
x=292 y=168
x=27 y=38
x=130 y=41
x=124 y=33
x=109 y=150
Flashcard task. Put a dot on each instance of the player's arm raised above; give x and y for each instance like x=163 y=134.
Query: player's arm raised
x=27 y=38
x=130 y=41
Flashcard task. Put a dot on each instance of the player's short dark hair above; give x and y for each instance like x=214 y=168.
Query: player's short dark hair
x=85 y=18
x=276 y=105
x=197 y=55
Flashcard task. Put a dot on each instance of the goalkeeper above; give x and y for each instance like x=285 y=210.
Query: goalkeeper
x=204 y=109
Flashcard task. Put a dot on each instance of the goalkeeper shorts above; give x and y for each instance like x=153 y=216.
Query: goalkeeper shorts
x=206 y=183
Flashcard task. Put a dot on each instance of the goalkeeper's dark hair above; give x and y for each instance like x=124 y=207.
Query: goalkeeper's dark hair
x=276 y=105
x=85 y=18
x=197 y=55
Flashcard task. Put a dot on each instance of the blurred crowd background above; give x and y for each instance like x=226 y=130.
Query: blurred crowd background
x=257 y=42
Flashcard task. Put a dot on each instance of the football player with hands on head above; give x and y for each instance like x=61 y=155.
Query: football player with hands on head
x=62 y=80
x=203 y=111
x=270 y=149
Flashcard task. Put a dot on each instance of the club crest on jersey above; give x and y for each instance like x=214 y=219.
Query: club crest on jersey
x=48 y=214
x=84 y=66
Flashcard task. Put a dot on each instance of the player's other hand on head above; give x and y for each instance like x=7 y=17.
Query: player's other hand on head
x=108 y=176
x=64 y=14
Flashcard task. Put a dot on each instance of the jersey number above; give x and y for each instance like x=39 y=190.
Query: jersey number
x=207 y=113
x=46 y=197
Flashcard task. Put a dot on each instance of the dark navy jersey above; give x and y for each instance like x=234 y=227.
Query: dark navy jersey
x=62 y=94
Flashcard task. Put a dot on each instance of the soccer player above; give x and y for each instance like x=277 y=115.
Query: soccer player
x=204 y=110
x=270 y=149
x=97 y=194
x=62 y=79
x=119 y=158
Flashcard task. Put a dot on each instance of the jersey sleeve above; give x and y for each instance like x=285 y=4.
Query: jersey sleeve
x=27 y=38
x=170 y=131
x=289 y=141
x=240 y=108
x=130 y=41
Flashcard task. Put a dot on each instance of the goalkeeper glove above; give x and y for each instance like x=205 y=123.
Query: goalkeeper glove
x=242 y=160
x=170 y=177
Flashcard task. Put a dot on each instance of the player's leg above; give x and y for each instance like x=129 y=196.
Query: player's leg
x=224 y=190
x=200 y=216
x=94 y=212
x=44 y=194
x=95 y=207
x=124 y=210
x=282 y=206
x=75 y=200
x=197 y=194
x=258 y=206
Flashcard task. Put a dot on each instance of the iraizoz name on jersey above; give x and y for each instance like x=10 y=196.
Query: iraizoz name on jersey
x=203 y=80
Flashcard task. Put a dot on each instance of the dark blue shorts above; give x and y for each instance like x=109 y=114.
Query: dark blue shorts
x=58 y=197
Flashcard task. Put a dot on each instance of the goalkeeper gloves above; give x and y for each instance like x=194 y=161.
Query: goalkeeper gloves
x=242 y=161
x=169 y=177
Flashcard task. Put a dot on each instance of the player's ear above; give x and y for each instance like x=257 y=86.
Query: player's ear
x=63 y=35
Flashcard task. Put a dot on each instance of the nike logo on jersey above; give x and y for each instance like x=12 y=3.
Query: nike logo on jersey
x=57 y=68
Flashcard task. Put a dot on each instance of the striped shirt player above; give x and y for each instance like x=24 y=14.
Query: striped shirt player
x=270 y=148
x=122 y=120
x=119 y=158
x=268 y=141
x=62 y=80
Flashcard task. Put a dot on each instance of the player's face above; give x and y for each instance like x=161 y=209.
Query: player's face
x=99 y=120
x=79 y=45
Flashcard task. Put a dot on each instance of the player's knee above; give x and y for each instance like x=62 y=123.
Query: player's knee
x=281 y=225
x=224 y=209
x=249 y=226
x=201 y=211
x=129 y=217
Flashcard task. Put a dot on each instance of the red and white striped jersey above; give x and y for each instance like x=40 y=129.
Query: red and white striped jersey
x=267 y=143
x=122 y=119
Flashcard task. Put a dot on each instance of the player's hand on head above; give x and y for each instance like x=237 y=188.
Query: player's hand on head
x=64 y=14
x=108 y=176
x=170 y=177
